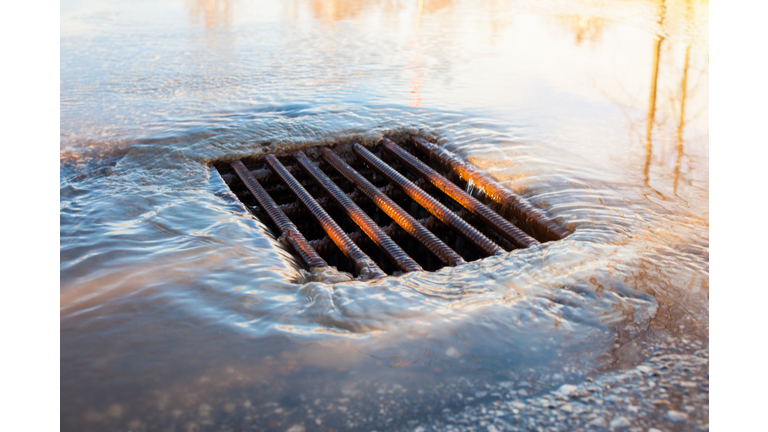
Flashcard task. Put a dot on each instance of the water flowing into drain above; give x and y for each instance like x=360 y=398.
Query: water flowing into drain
x=347 y=207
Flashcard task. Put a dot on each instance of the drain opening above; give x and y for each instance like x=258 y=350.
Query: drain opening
x=396 y=207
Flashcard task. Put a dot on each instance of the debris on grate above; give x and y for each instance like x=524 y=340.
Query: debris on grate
x=384 y=210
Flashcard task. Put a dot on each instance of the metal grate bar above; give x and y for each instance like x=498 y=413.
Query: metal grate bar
x=395 y=253
x=286 y=227
x=394 y=211
x=501 y=225
x=528 y=216
x=430 y=204
x=264 y=173
x=363 y=264
x=345 y=206
x=393 y=230
x=297 y=209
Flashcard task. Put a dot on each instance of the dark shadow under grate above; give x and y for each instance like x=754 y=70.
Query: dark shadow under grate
x=393 y=208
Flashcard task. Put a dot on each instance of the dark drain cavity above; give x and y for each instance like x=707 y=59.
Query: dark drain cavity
x=393 y=208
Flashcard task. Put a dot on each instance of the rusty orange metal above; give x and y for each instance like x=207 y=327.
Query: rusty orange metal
x=529 y=217
x=430 y=204
x=393 y=230
x=512 y=233
x=394 y=252
x=364 y=266
x=394 y=211
x=292 y=235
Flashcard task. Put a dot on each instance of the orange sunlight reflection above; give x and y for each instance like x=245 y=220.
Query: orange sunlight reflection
x=212 y=12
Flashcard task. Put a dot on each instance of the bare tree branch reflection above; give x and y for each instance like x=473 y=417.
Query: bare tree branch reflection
x=682 y=117
x=652 y=102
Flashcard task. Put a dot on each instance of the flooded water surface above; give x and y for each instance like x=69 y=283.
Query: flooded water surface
x=181 y=311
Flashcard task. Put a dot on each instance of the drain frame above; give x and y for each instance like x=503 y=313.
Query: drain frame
x=386 y=209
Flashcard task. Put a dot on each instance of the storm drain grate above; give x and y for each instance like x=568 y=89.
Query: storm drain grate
x=392 y=208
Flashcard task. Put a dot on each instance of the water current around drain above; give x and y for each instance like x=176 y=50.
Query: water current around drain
x=178 y=308
x=182 y=271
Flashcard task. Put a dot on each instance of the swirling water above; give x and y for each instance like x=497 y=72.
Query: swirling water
x=179 y=309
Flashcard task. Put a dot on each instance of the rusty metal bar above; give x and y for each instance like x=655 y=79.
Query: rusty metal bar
x=295 y=209
x=400 y=216
x=264 y=173
x=529 y=216
x=396 y=254
x=501 y=225
x=430 y=204
x=298 y=209
x=363 y=264
x=393 y=230
x=286 y=227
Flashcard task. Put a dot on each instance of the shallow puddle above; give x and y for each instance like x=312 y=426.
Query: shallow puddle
x=180 y=311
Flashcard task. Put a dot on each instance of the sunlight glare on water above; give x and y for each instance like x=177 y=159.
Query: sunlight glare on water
x=177 y=305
